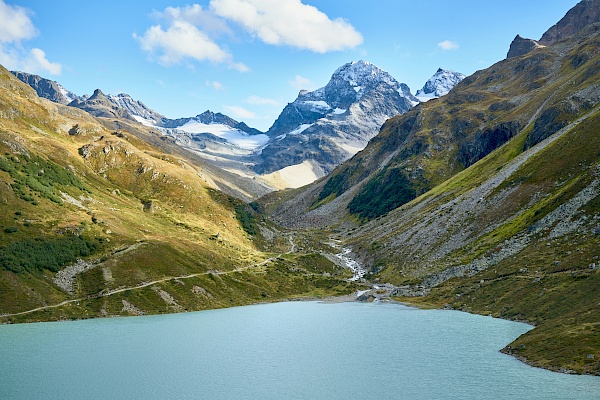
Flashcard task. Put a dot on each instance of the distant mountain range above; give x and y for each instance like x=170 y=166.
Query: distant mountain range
x=311 y=136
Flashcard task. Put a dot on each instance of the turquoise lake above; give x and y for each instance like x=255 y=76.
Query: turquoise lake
x=293 y=350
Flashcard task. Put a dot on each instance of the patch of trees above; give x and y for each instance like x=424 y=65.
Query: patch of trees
x=387 y=190
x=36 y=176
x=37 y=254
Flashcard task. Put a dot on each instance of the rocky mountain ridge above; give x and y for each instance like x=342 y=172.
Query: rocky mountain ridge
x=46 y=88
x=121 y=105
x=585 y=13
x=136 y=109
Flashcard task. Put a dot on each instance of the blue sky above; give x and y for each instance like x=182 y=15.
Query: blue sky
x=249 y=58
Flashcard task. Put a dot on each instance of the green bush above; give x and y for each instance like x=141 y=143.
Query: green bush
x=36 y=175
x=32 y=255
x=245 y=215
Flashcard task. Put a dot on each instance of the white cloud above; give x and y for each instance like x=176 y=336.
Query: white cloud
x=216 y=85
x=448 y=45
x=182 y=40
x=261 y=101
x=301 y=83
x=239 y=112
x=37 y=61
x=289 y=22
x=195 y=15
x=16 y=27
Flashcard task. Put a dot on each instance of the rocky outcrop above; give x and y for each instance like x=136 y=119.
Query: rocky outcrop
x=583 y=14
x=486 y=140
x=521 y=46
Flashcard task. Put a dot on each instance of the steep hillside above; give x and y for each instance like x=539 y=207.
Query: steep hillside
x=98 y=217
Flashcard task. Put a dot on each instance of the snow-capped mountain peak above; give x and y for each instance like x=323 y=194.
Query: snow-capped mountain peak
x=352 y=80
x=328 y=125
x=439 y=84
x=362 y=73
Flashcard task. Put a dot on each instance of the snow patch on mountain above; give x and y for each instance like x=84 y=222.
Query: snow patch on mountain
x=69 y=96
x=145 y=121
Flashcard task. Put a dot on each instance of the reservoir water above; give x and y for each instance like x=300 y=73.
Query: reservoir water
x=294 y=350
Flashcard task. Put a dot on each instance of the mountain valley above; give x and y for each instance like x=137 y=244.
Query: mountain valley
x=479 y=193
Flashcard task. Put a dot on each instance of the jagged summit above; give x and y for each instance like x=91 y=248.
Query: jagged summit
x=361 y=74
x=209 y=117
x=100 y=105
x=439 y=84
x=352 y=80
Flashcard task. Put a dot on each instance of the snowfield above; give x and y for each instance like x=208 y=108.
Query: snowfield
x=235 y=136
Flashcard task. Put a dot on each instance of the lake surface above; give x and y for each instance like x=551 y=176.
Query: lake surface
x=294 y=350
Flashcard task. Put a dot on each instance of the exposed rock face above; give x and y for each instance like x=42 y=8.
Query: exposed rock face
x=47 y=88
x=521 y=46
x=583 y=14
x=332 y=123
